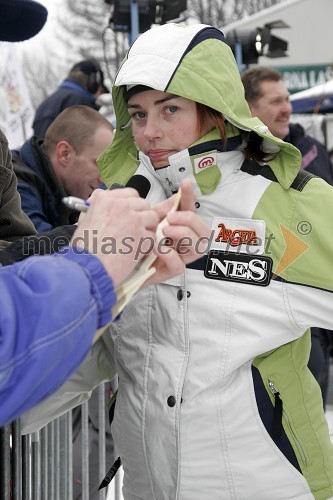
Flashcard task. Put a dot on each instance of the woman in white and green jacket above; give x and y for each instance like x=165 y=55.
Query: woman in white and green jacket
x=215 y=399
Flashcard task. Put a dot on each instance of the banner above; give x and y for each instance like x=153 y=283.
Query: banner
x=297 y=78
x=20 y=113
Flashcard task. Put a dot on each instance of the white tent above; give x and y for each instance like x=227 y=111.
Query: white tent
x=318 y=99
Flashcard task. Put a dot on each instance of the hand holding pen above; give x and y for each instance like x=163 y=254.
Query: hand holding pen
x=76 y=203
x=138 y=182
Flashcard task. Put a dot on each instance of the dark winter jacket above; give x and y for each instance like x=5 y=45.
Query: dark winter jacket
x=69 y=93
x=13 y=221
x=40 y=189
x=315 y=158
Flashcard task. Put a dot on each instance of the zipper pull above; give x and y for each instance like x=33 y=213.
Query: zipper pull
x=278 y=410
x=172 y=188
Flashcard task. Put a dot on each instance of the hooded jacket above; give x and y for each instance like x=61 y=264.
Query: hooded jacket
x=215 y=399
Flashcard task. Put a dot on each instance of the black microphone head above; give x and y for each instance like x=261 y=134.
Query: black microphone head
x=140 y=183
x=116 y=186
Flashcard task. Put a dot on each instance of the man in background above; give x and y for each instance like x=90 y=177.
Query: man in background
x=63 y=164
x=83 y=85
x=268 y=98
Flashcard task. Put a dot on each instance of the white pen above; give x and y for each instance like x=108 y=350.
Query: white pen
x=76 y=203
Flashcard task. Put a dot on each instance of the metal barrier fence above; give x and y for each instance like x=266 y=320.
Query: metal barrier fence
x=39 y=466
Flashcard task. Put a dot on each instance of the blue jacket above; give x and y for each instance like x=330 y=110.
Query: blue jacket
x=50 y=308
x=68 y=94
x=40 y=189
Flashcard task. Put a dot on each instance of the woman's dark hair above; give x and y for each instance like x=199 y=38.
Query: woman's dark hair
x=206 y=116
x=253 y=151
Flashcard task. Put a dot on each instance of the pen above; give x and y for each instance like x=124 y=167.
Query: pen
x=76 y=203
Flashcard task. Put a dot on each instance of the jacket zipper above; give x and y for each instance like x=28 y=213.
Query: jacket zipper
x=171 y=186
x=277 y=420
x=278 y=411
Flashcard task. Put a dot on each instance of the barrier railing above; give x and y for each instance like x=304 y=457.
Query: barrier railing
x=39 y=466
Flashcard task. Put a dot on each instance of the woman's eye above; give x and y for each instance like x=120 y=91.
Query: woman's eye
x=139 y=115
x=171 y=109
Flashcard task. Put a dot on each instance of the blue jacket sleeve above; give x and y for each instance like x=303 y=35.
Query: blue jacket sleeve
x=50 y=308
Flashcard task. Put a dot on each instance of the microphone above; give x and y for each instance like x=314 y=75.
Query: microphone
x=138 y=182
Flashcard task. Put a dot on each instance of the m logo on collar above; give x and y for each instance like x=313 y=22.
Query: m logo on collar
x=204 y=161
x=238 y=235
x=239 y=268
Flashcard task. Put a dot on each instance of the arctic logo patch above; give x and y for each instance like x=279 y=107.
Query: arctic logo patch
x=203 y=162
x=239 y=268
x=238 y=235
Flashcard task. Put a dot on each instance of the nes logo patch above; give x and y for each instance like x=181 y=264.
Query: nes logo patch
x=239 y=268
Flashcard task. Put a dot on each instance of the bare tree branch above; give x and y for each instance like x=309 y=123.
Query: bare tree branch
x=221 y=12
x=82 y=32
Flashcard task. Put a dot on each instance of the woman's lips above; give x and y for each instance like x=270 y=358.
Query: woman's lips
x=159 y=154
